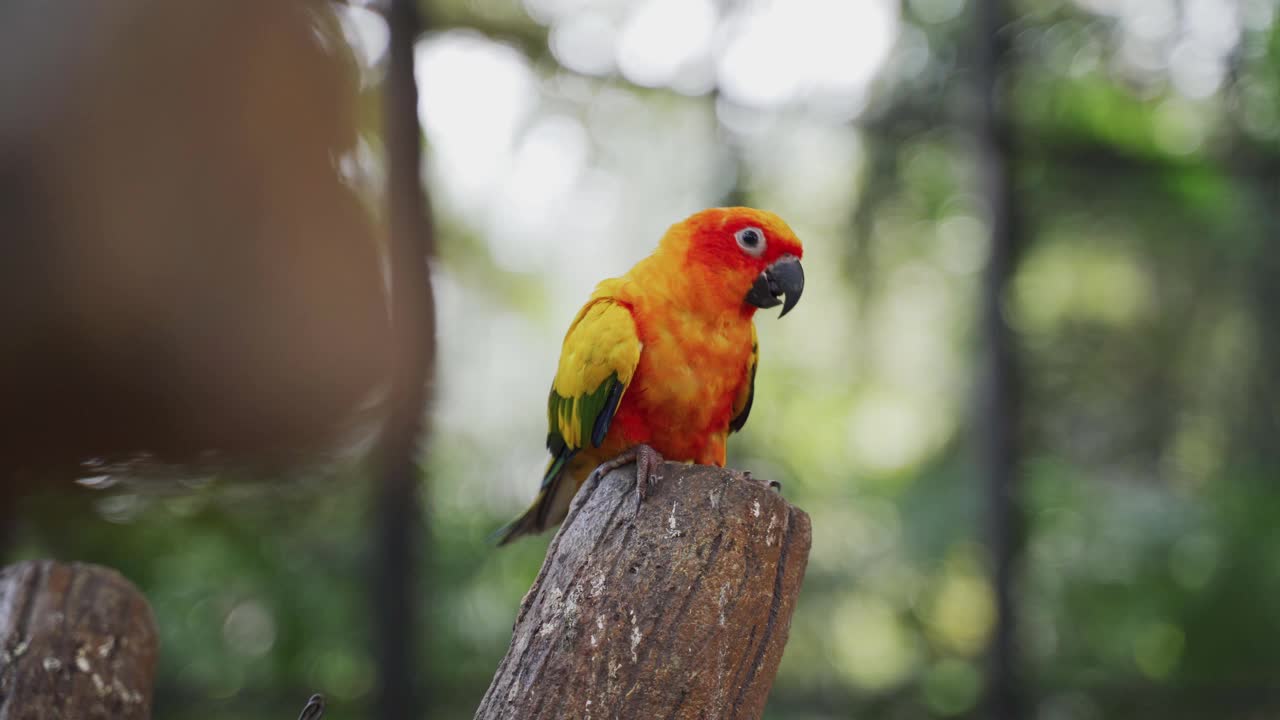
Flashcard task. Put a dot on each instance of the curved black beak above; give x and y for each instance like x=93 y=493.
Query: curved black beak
x=785 y=277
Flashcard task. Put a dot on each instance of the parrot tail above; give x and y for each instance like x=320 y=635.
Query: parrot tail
x=549 y=508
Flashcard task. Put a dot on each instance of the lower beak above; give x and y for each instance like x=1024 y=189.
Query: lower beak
x=783 y=278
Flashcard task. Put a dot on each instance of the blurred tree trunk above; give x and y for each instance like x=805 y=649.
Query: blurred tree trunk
x=677 y=608
x=999 y=382
x=1262 y=419
x=76 y=641
x=401 y=539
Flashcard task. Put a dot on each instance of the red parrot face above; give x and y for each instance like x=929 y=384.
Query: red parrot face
x=752 y=252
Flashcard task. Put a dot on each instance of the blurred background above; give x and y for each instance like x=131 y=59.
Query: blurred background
x=197 y=349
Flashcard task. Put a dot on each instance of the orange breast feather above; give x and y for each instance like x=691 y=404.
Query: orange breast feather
x=693 y=369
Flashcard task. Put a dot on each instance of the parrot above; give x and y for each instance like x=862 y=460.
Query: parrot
x=660 y=364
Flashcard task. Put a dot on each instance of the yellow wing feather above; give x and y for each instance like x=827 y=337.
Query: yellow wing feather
x=598 y=360
x=601 y=343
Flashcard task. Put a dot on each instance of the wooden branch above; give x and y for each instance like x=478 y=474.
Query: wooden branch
x=76 y=641
x=678 y=610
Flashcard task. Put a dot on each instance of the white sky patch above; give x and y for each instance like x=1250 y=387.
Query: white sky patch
x=1190 y=39
x=806 y=165
x=1198 y=62
x=664 y=40
x=1215 y=27
x=585 y=42
x=826 y=52
x=535 y=191
x=474 y=96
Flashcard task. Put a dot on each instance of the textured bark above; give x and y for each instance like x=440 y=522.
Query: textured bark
x=679 y=609
x=76 y=641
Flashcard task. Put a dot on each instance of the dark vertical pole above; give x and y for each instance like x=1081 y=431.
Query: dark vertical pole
x=1262 y=418
x=998 y=421
x=400 y=536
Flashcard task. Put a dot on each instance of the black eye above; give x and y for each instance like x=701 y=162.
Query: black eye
x=751 y=240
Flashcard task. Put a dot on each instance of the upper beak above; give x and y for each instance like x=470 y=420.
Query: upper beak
x=784 y=277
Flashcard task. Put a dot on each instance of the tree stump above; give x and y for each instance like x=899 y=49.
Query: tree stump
x=76 y=641
x=677 y=609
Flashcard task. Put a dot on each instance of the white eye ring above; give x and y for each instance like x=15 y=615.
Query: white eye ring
x=751 y=240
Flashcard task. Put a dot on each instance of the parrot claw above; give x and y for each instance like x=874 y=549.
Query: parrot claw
x=745 y=475
x=647 y=461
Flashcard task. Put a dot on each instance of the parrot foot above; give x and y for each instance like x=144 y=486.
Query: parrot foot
x=745 y=475
x=647 y=461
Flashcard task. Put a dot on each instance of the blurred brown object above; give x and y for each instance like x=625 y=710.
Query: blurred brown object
x=184 y=271
x=76 y=641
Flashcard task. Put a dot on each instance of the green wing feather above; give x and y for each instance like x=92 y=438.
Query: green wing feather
x=598 y=359
x=589 y=415
x=600 y=354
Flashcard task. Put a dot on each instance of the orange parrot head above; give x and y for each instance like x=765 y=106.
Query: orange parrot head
x=739 y=258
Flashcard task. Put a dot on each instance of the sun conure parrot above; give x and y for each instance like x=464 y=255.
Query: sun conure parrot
x=662 y=361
